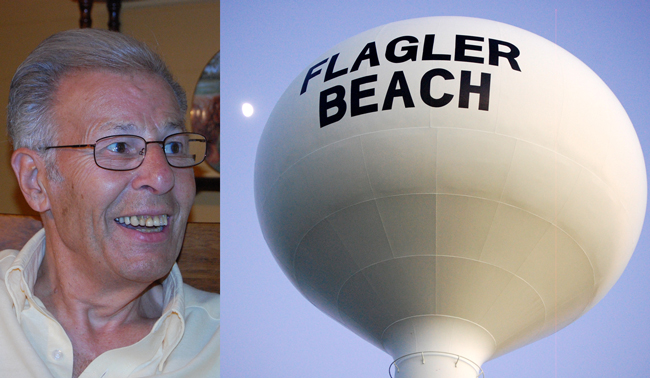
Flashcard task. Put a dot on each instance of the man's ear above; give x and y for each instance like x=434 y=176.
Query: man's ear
x=29 y=168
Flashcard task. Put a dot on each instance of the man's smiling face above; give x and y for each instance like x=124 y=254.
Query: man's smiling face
x=87 y=203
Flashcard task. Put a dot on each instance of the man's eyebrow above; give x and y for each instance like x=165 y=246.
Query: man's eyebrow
x=119 y=127
x=177 y=125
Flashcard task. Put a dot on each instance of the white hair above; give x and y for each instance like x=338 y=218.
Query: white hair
x=29 y=118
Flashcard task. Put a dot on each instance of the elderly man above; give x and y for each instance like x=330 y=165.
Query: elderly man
x=101 y=152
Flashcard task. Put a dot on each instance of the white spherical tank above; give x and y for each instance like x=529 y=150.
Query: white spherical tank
x=450 y=189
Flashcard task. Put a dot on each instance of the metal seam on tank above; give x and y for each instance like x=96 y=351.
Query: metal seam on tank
x=531 y=286
x=383 y=226
x=374 y=196
x=365 y=167
x=435 y=242
x=548 y=225
x=513 y=275
x=438 y=315
x=491 y=222
x=560 y=209
x=293 y=255
x=512 y=157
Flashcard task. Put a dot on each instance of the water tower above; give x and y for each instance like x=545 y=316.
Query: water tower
x=450 y=189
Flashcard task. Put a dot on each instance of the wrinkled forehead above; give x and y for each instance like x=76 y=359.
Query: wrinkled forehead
x=101 y=103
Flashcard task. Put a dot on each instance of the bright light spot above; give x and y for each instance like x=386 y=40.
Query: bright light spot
x=247 y=109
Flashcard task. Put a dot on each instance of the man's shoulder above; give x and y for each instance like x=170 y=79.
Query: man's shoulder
x=199 y=300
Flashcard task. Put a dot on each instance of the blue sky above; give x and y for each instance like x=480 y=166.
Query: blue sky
x=269 y=330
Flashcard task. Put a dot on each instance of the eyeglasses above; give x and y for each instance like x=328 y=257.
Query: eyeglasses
x=127 y=152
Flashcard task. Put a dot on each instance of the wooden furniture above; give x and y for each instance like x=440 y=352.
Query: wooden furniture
x=113 y=6
x=198 y=261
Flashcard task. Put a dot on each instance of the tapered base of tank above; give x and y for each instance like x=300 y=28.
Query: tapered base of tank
x=437 y=346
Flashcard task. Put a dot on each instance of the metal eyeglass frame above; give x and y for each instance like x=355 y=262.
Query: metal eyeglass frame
x=143 y=152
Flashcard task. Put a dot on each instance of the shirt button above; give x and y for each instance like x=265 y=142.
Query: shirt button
x=57 y=354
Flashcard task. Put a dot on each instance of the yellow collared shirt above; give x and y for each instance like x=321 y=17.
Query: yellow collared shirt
x=184 y=342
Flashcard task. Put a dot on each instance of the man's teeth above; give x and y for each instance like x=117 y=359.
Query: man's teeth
x=144 y=220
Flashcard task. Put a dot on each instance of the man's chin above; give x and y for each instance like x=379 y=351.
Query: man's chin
x=145 y=263
x=147 y=276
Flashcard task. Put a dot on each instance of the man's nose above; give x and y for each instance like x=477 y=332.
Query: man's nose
x=155 y=172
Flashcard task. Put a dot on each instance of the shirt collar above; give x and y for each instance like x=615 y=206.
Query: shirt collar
x=21 y=275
